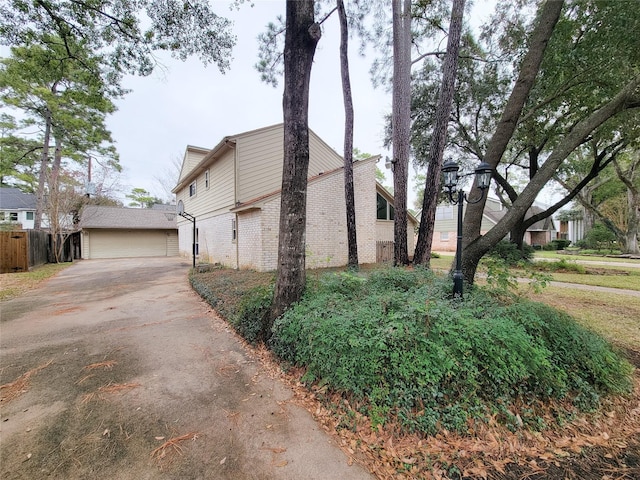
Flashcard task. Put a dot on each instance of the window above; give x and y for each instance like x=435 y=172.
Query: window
x=384 y=210
x=13 y=216
x=444 y=236
x=444 y=212
x=234 y=230
x=206 y=179
x=192 y=189
x=29 y=215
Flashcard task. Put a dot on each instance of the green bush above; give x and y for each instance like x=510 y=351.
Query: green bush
x=558 y=265
x=397 y=344
x=599 y=237
x=245 y=307
x=510 y=253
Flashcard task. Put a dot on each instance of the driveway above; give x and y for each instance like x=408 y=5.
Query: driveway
x=116 y=369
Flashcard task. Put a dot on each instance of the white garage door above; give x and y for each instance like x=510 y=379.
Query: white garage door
x=127 y=243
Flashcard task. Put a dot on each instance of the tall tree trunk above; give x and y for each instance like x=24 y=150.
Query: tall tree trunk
x=42 y=176
x=628 y=178
x=54 y=202
x=349 y=195
x=548 y=16
x=401 y=124
x=623 y=100
x=439 y=138
x=302 y=36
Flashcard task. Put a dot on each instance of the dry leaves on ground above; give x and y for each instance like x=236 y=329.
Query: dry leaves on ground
x=11 y=390
x=172 y=446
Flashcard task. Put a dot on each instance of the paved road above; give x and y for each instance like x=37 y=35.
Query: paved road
x=136 y=360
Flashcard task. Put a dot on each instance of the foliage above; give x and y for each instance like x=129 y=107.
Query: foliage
x=244 y=302
x=560 y=265
x=126 y=32
x=599 y=237
x=510 y=253
x=435 y=364
x=141 y=198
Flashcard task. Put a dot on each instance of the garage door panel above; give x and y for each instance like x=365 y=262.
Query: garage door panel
x=125 y=244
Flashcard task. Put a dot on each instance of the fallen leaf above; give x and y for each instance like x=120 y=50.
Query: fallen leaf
x=223 y=460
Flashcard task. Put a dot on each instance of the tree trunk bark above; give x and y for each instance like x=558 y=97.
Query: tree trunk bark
x=54 y=202
x=349 y=195
x=547 y=19
x=301 y=38
x=475 y=250
x=401 y=125
x=42 y=176
x=439 y=139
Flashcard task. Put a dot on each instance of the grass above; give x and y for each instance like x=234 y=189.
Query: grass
x=614 y=317
x=575 y=256
x=15 y=284
x=626 y=282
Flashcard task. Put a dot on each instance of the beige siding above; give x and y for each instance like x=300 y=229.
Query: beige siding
x=260 y=156
x=191 y=159
x=322 y=158
x=218 y=198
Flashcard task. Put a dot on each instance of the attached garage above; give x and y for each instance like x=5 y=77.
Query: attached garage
x=111 y=232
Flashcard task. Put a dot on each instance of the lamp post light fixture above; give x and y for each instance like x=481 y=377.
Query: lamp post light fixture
x=483 y=180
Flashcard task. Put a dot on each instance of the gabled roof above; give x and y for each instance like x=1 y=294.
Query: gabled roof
x=95 y=216
x=12 y=198
x=545 y=224
x=228 y=142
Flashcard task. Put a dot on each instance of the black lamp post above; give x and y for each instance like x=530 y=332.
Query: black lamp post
x=483 y=179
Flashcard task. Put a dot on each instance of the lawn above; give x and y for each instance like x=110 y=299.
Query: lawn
x=15 y=284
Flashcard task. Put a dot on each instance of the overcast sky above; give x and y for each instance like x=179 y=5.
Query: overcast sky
x=188 y=104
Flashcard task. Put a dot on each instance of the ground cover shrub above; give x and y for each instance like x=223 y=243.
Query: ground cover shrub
x=243 y=298
x=396 y=345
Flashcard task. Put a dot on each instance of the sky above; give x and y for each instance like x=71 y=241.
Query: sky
x=185 y=103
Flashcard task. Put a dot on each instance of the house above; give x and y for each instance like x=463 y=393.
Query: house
x=445 y=228
x=115 y=232
x=17 y=208
x=233 y=191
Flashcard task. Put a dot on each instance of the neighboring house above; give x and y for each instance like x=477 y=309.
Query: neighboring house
x=233 y=191
x=445 y=228
x=115 y=232
x=17 y=207
x=571 y=225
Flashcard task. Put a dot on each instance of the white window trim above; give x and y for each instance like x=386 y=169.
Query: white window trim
x=193 y=191
x=207 y=179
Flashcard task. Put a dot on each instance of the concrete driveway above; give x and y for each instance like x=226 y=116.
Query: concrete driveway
x=116 y=369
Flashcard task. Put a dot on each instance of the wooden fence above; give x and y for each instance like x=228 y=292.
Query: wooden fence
x=384 y=252
x=22 y=249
